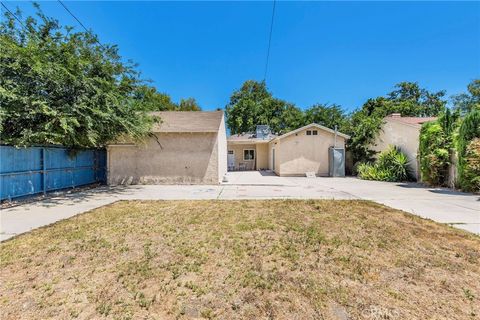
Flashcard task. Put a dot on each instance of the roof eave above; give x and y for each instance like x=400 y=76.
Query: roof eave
x=414 y=125
x=185 y=131
x=248 y=141
x=312 y=125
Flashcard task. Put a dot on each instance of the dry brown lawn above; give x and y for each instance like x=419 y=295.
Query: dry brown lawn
x=278 y=259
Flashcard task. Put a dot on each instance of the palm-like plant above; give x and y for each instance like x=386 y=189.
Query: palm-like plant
x=391 y=165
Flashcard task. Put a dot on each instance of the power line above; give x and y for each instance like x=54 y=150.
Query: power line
x=79 y=22
x=70 y=12
x=16 y=18
x=269 y=42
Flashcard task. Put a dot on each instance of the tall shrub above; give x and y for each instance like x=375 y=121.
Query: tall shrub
x=471 y=173
x=434 y=153
x=468 y=151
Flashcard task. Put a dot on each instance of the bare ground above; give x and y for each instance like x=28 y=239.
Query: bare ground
x=277 y=259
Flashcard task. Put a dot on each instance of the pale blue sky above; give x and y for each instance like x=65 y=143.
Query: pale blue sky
x=326 y=52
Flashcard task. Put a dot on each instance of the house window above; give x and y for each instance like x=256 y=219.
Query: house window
x=309 y=132
x=248 y=154
x=230 y=152
x=315 y=132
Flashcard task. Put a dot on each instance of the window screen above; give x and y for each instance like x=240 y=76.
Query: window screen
x=248 y=154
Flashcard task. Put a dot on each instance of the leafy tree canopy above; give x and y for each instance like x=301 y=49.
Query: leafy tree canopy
x=328 y=116
x=467 y=102
x=407 y=98
x=253 y=104
x=152 y=100
x=189 y=104
x=58 y=86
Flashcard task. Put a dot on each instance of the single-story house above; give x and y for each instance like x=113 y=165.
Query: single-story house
x=295 y=153
x=404 y=133
x=184 y=148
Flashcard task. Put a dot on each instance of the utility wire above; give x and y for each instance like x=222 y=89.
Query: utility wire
x=79 y=22
x=13 y=15
x=269 y=42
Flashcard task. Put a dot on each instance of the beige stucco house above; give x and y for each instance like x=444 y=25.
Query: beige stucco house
x=185 y=148
x=293 y=154
x=402 y=132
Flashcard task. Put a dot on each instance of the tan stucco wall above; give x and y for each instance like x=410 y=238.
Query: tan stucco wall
x=238 y=150
x=222 y=150
x=262 y=156
x=299 y=153
x=404 y=136
x=178 y=158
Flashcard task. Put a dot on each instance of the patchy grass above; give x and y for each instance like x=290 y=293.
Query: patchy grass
x=242 y=260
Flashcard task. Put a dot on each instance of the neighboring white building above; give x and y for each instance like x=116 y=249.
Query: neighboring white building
x=402 y=132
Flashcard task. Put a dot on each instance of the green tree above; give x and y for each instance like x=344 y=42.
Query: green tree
x=363 y=131
x=253 y=104
x=245 y=106
x=474 y=89
x=327 y=115
x=407 y=98
x=467 y=102
x=291 y=118
x=58 y=86
x=189 y=104
x=411 y=100
x=151 y=100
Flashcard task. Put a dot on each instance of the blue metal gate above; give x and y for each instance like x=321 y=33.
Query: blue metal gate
x=28 y=171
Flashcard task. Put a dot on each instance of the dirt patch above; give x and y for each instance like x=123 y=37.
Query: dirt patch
x=276 y=259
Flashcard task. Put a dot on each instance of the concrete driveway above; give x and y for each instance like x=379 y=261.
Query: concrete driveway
x=461 y=210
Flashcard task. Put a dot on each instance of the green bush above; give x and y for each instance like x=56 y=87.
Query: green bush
x=434 y=154
x=470 y=180
x=435 y=148
x=391 y=165
x=468 y=152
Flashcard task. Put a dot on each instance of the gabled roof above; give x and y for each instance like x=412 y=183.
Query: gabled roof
x=414 y=121
x=188 y=121
x=315 y=125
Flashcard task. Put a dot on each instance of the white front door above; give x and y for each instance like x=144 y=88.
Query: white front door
x=231 y=160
